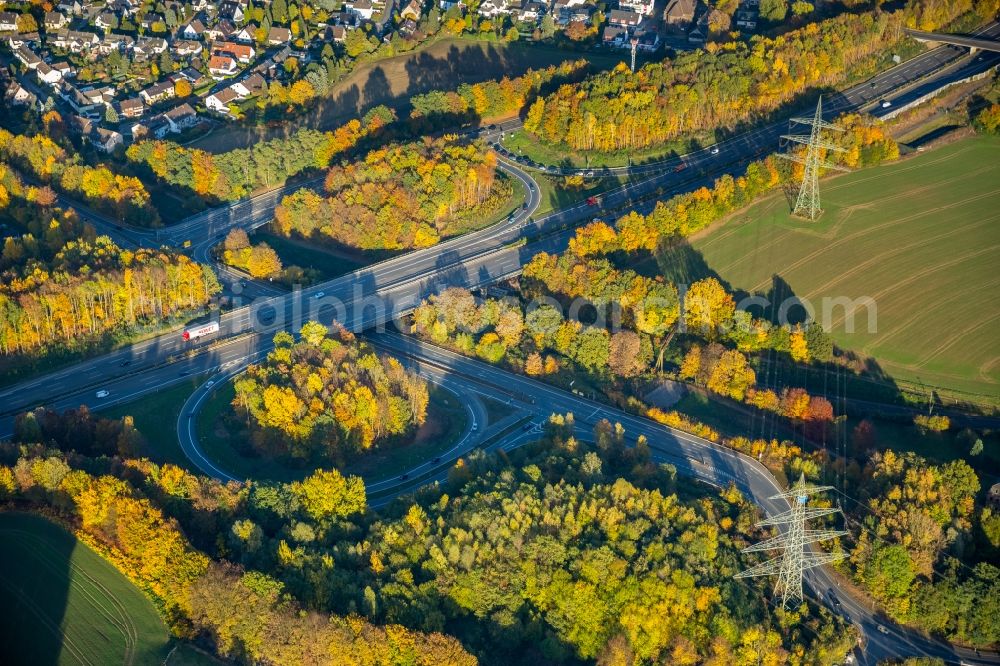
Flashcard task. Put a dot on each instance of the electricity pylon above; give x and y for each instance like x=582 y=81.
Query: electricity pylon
x=794 y=561
x=807 y=203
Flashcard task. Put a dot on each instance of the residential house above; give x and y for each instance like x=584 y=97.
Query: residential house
x=100 y=95
x=105 y=140
x=642 y=7
x=245 y=35
x=410 y=11
x=624 y=18
x=408 y=27
x=148 y=47
x=221 y=66
x=64 y=68
x=8 y=22
x=221 y=100
x=74 y=41
x=221 y=31
x=185 y=48
x=363 y=8
x=181 y=117
x=614 y=35
x=27 y=57
x=278 y=35
x=157 y=92
x=156 y=127
x=250 y=86
x=79 y=102
x=18 y=95
x=679 y=13
x=243 y=53
x=55 y=21
x=648 y=40
x=149 y=19
x=232 y=11
x=71 y=7
x=530 y=11
x=193 y=30
x=106 y=21
x=113 y=42
x=337 y=33
x=131 y=108
x=46 y=74
x=193 y=75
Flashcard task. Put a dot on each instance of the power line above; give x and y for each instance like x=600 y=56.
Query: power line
x=807 y=204
x=794 y=560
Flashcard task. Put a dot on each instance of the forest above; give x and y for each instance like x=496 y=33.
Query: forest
x=123 y=197
x=266 y=165
x=63 y=285
x=327 y=397
x=398 y=197
x=563 y=551
x=726 y=85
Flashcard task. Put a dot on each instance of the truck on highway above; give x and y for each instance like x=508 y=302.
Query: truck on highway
x=594 y=201
x=200 y=331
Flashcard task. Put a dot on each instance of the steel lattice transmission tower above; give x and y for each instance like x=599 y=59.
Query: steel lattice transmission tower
x=795 y=559
x=807 y=203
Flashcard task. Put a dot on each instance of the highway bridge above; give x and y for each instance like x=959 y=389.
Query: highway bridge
x=972 y=42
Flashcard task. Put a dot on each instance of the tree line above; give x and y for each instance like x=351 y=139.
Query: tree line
x=865 y=143
x=63 y=285
x=399 y=196
x=327 y=397
x=725 y=85
x=237 y=173
x=495 y=99
x=123 y=197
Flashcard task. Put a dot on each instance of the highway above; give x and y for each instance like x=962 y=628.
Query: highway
x=395 y=285
x=379 y=293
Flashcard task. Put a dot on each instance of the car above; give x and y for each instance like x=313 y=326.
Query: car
x=103 y=393
x=886 y=104
x=492 y=127
x=882 y=629
x=404 y=477
x=126 y=363
x=872 y=84
x=436 y=459
x=475 y=427
x=590 y=173
x=528 y=426
x=319 y=294
x=185 y=373
x=210 y=383
x=715 y=150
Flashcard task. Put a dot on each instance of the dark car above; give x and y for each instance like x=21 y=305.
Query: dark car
x=404 y=477
x=126 y=363
x=436 y=459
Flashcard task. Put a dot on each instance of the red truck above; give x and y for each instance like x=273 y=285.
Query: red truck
x=594 y=201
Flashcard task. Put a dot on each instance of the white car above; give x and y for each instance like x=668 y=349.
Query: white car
x=886 y=104
x=715 y=150
x=882 y=629
x=210 y=383
x=319 y=294
x=103 y=393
